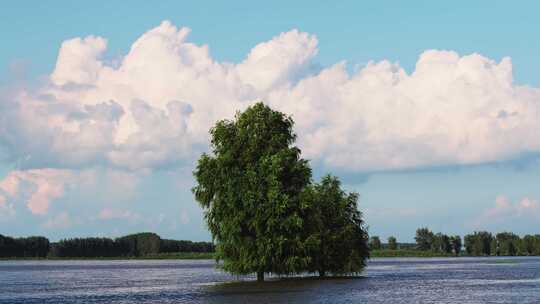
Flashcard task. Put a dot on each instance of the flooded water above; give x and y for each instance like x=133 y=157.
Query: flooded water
x=389 y=280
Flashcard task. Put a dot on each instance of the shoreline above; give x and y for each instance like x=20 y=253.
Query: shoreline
x=162 y=256
x=210 y=256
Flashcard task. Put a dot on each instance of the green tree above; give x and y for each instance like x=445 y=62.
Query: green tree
x=456 y=244
x=424 y=239
x=479 y=243
x=536 y=250
x=469 y=241
x=494 y=247
x=507 y=243
x=140 y=244
x=441 y=243
x=250 y=188
x=336 y=228
x=34 y=246
x=528 y=244
x=392 y=243
x=375 y=243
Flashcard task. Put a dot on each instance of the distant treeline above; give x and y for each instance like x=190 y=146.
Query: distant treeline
x=35 y=246
x=134 y=245
x=479 y=243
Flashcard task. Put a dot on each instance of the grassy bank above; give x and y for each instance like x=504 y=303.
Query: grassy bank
x=160 y=256
x=387 y=253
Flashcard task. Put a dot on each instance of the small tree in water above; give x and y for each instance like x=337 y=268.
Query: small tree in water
x=336 y=227
x=250 y=189
x=260 y=206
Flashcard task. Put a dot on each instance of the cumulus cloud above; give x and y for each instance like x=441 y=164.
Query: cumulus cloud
x=38 y=187
x=504 y=208
x=154 y=107
x=504 y=211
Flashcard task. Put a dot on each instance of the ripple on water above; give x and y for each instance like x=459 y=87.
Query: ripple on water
x=389 y=280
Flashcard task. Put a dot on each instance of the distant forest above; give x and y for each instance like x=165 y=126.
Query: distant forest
x=134 y=245
x=479 y=243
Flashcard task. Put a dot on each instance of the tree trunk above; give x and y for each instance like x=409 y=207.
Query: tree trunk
x=322 y=273
x=260 y=276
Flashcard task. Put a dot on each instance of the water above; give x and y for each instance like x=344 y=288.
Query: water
x=389 y=280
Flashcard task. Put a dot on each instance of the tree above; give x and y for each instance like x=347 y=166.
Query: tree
x=375 y=243
x=507 y=243
x=250 y=188
x=494 y=247
x=34 y=246
x=336 y=237
x=479 y=243
x=528 y=244
x=441 y=243
x=185 y=246
x=86 y=247
x=424 y=239
x=392 y=243
x=456 y=244
x=140 y=244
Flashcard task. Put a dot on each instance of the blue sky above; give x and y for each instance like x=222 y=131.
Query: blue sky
x=454 y=173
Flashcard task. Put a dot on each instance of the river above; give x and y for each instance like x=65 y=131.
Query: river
x=386 y=280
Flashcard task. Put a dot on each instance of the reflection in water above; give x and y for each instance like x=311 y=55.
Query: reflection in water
x=392 y=280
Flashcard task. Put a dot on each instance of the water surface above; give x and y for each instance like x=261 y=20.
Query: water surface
x=386 y=280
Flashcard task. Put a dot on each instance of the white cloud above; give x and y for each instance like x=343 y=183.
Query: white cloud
x=79 y=60
x=154 y=108
x=504 y=211
x=38 y=187
x=504 y=208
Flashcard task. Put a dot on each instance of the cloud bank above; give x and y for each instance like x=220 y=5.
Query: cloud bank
x=153 y=108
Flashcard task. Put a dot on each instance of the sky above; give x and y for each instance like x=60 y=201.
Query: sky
x=428 y=110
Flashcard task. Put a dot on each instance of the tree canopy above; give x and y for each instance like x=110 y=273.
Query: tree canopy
x=256 y=192
x=392 y=243
x=133 y=245
x=337 y=228
x=424 y=238
x=250 y=188
x=375 y=243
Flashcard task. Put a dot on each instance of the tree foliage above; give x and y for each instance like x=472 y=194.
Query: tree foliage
x=424 y=239
x=437 y=242
x=257 y=195
x=250 y=188
x=375 y=243
x=34 y=246
x=134 y=245
x=140 y=244
x=456 y=244
x=336 y=228
x=185 y=246
x=392 y=243
x=86 y=247
x=478 y=243
x=441 y=243
x=507 y=243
